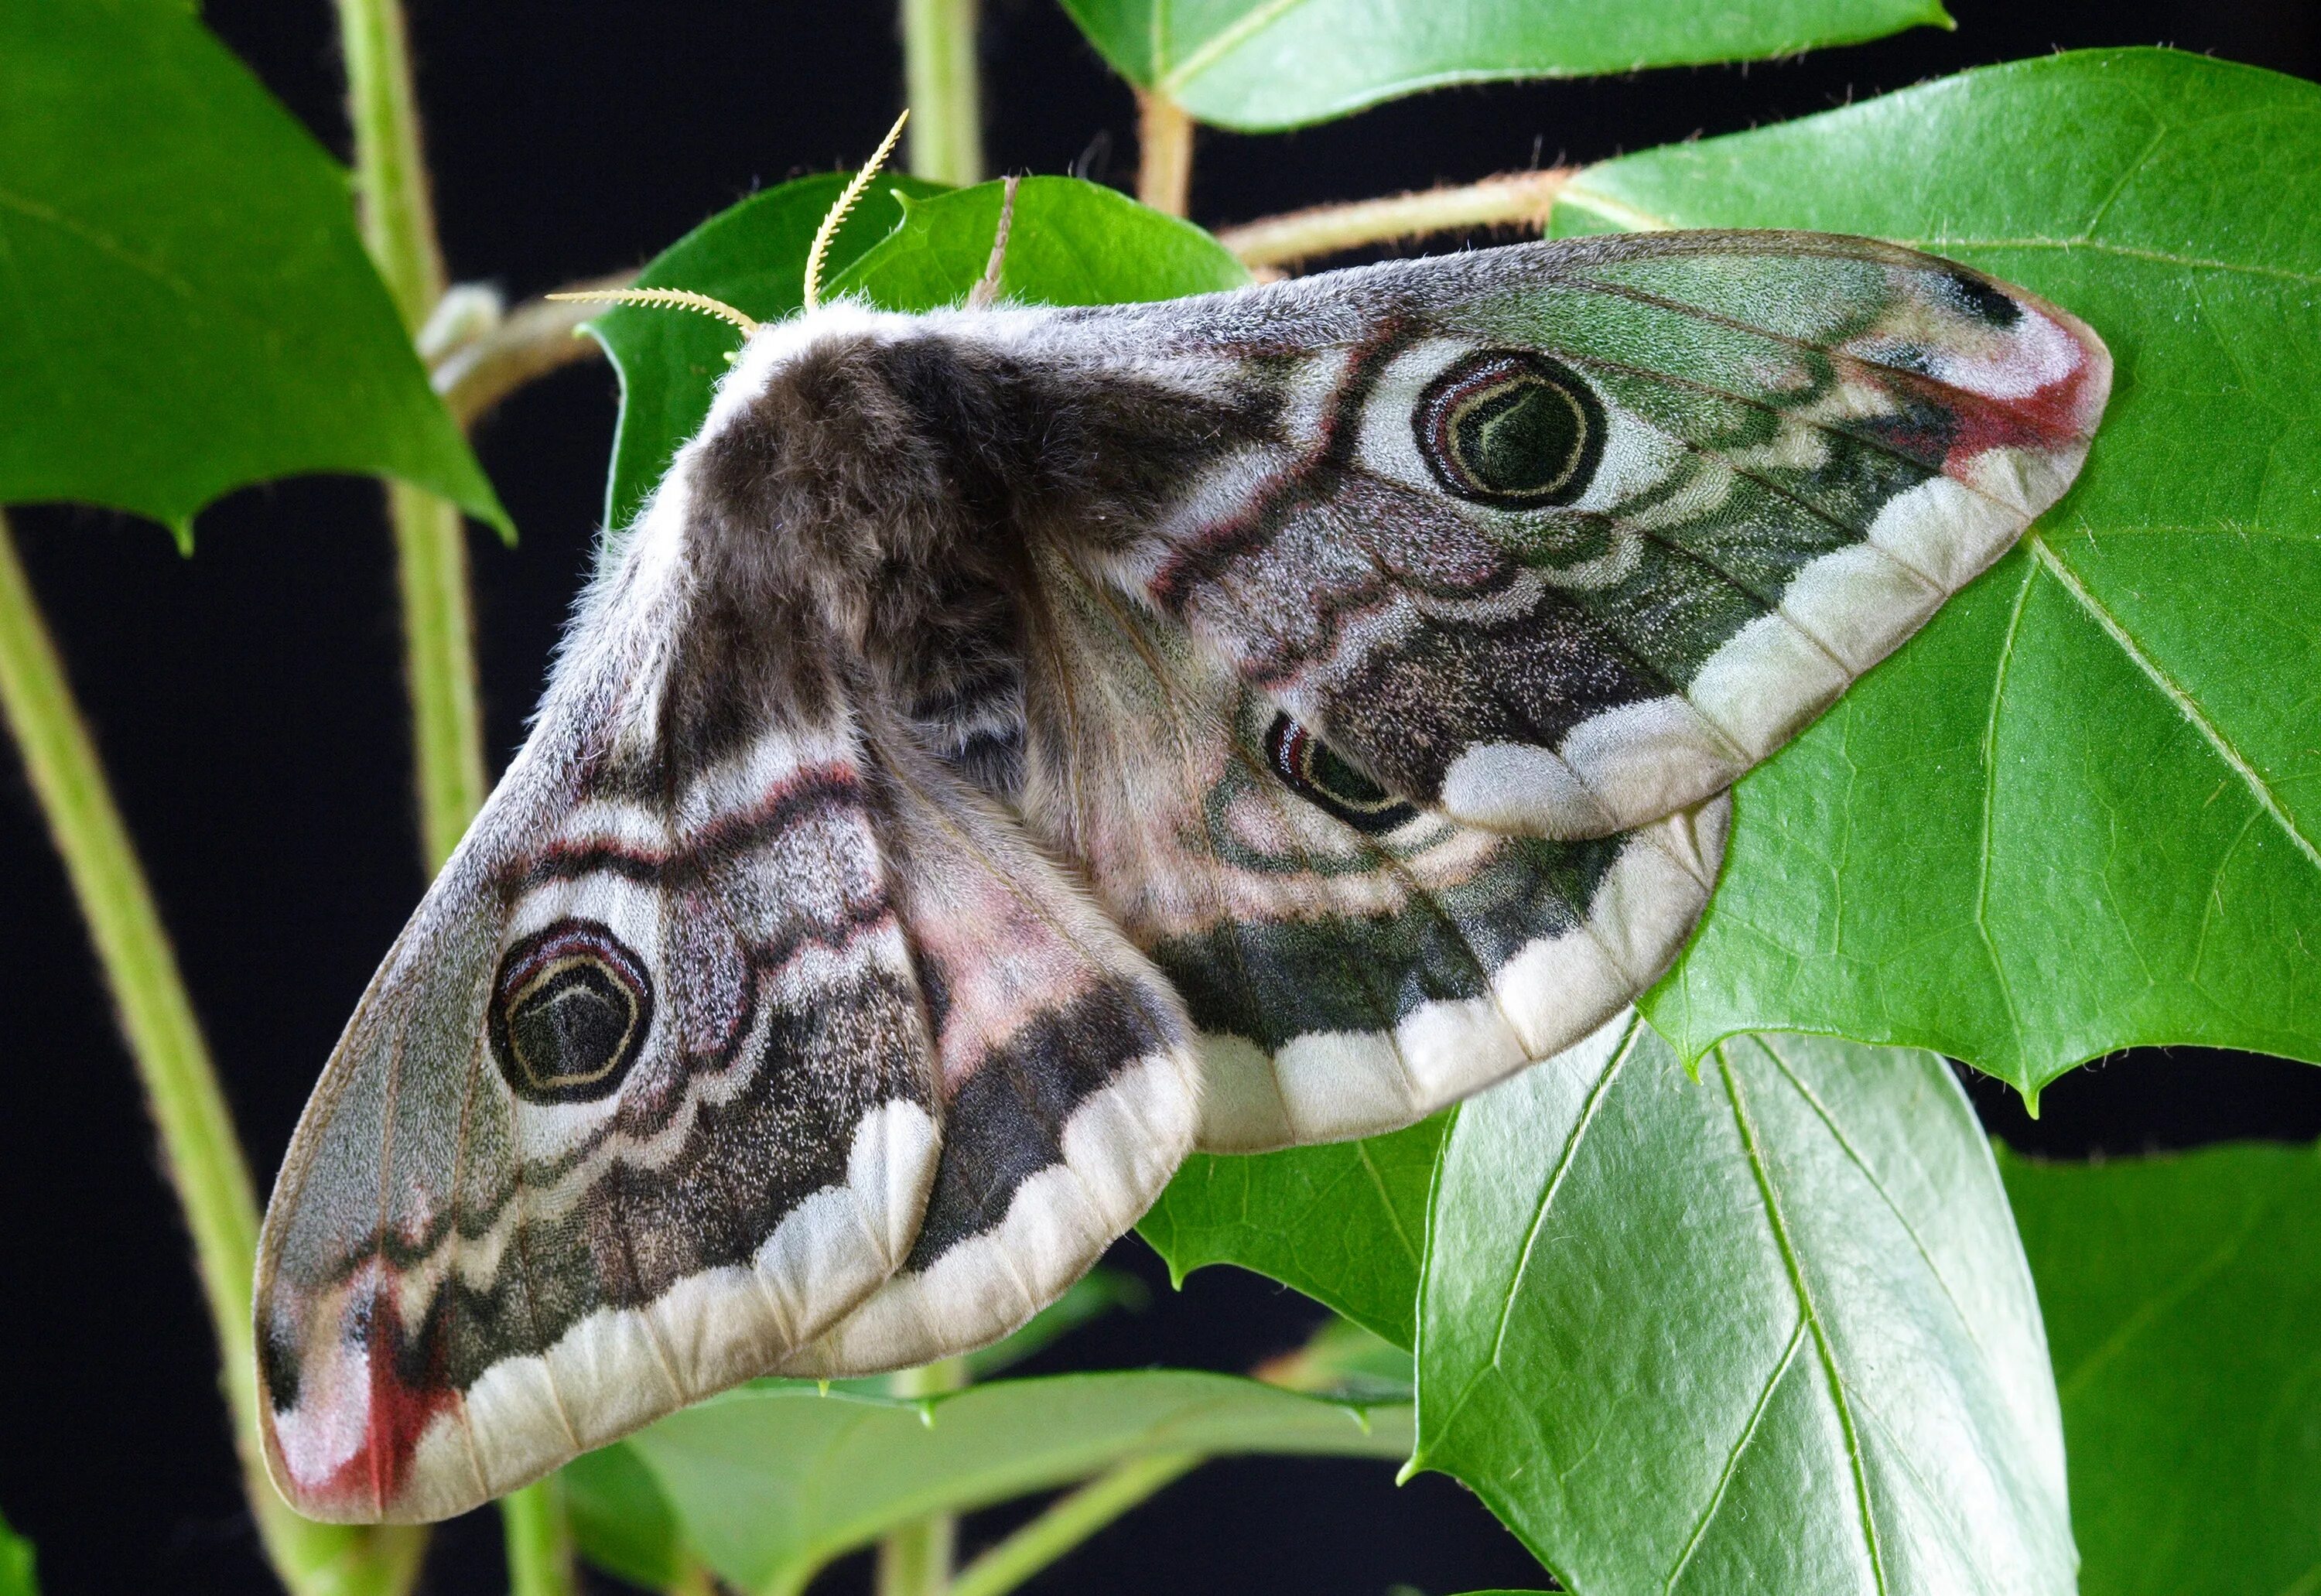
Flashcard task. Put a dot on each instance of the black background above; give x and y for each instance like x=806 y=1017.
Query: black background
x=249 y=703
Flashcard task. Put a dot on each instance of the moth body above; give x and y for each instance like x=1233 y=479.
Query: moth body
x=1016 y=745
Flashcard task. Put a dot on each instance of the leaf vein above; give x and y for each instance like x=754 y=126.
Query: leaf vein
x=1825 y=1353
x=2185 y=704
x=1732 y=1459
x=1547 y=1196
x=1845 y=1144
x=1223 y=42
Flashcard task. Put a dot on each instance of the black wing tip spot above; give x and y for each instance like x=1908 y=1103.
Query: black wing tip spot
x=1978 y=297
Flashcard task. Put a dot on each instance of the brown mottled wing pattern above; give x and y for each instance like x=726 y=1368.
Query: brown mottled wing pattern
x=1353 y=961
x=738 y=1033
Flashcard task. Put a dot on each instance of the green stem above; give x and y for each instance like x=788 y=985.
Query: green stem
x=398 y=211
x=398 y=225
x=439 y=646
x=944 y=90
x=539 y=1539
x=1164 y=153
x=916 y=1558
x=1518 y=199
x=1068 y=1521
x=199 y=1153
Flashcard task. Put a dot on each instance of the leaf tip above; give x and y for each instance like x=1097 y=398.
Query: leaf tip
x=181 y=533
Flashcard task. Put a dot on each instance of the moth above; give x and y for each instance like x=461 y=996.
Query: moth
x=1017 y=746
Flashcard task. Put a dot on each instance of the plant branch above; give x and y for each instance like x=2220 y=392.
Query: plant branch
x=199 y=1153
x=438 y=647
x=534 y=339
x=398 y=225
x=1164 y=153
x=1068 y=1520
x=915 y=1559
x=398 y=211
x=1516 y=199
x=943 y=87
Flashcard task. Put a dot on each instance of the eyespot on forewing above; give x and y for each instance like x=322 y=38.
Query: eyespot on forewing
x=1512 y=429
x=570 y=1009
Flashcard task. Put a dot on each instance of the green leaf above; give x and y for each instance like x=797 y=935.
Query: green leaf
x=2082 y=810
x=1071 y=243
x=1771 y=1330
x=1264 y=64
x=17 y=1574
x=772 y=1482
x=751 y=256
x=1345 y=1224
x=185 y=306
x=2181 y=1295
x=621 y=1522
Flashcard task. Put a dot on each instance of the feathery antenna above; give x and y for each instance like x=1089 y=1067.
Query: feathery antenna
x=853 y=191
x=676 y=298
x=987 y=289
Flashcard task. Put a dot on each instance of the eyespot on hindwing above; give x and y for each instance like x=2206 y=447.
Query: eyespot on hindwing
x=1312 y=770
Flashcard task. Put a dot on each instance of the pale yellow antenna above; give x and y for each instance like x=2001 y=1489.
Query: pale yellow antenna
x=678 y=298
x=852 y=192
x=986 y=292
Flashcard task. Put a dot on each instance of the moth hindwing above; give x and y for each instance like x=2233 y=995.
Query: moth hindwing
x=1017 y=744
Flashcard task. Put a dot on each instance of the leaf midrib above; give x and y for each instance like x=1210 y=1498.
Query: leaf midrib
x=1825 y=1354
x=2185 y=705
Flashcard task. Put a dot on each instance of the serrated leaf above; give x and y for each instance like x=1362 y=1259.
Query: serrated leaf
x=2180 y=1294
x=752 y=256
x=1345 y=1223
x=1264 y=64
x=1071 y=243
x=1768 y=1330
x=770 y=1484
x=185 y=306
x=2082 y=810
